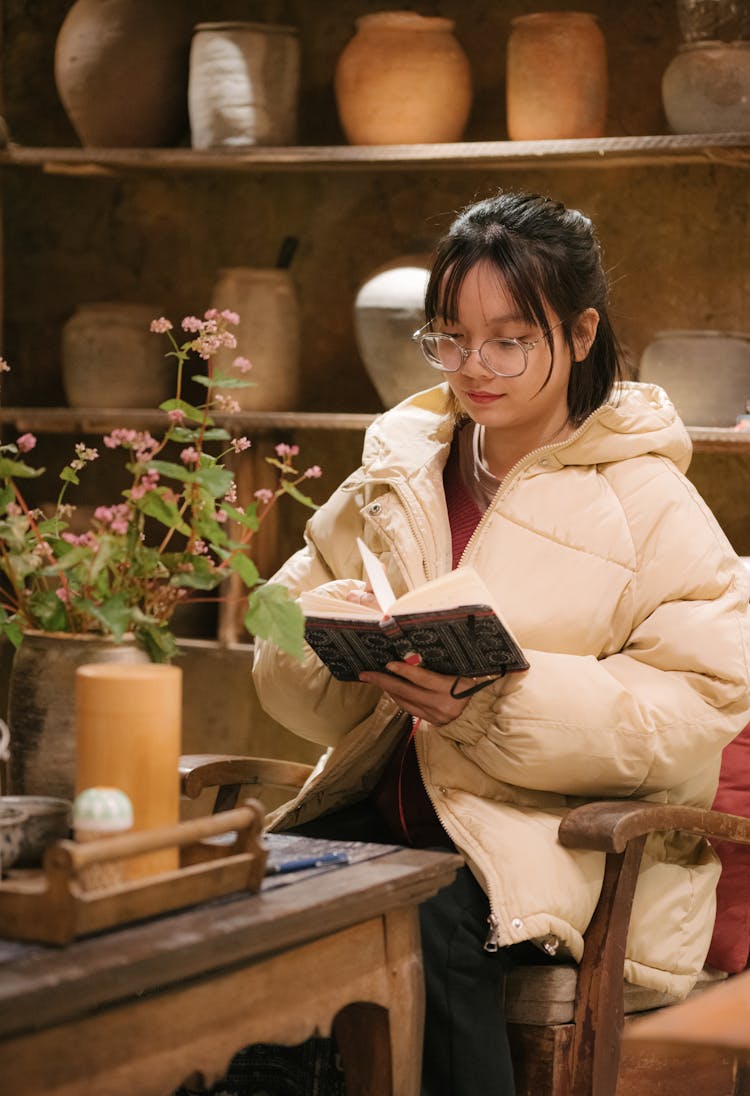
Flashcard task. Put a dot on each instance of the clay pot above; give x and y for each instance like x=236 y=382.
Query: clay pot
x=121 y=69
x=402 y=79
x=244 y=85
x=110 y=358
x=388 y=309
x=268 y=335
x=556 y=77
x=706 y=88
x=41 y=707
x=706 y=374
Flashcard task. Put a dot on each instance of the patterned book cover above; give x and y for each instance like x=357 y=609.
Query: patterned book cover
x=469 y=641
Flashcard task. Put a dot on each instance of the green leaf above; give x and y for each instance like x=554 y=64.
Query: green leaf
x=222 y=381
x=155 y=506
x=245 y=568
x=195 y=414
x=184 y=434
x=216 y=479
x=290 y=489
x=201 y=378
x=114 y=615
x=12 y=631
x=6 y=495
x=273 y=615
x=169 y=468
x=208 y=529
x=247 y=518
x=47 y=611
x=157 y=641
x=69 y=475
x=16 y=469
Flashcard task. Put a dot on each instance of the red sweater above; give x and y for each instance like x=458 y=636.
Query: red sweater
x=400 y=795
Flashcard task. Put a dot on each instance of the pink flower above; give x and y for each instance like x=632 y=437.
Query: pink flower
x=116 y=518
x=4 y=367
x=221 y=516
x=176 y=417
x=63 y=594
x=231 y=495
x=192 y=323
x=121 y=436
x=314 y=472
x=284 y=450
x=263 y=494
x=240 y=444
x=190 y=455
x=226 y=404
x=26 y=443
x=244 y=365
x=161 y=326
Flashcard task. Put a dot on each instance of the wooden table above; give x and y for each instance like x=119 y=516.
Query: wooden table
x=138 y=1009
x=717 y=1019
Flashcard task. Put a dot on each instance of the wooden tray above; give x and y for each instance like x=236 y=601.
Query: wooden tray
x=57 y=903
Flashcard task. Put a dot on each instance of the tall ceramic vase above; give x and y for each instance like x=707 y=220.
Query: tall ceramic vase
x=403 y=79
x=121 y=70
x=244 y=85
x=41 y=707
x=268 y=336
x=556 y=77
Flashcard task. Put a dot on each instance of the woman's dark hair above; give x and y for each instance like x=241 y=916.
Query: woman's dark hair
x=548 y=257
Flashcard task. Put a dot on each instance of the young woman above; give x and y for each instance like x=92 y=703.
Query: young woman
x=565 y=489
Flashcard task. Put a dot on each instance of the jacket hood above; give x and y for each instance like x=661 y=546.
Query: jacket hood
x=638 y=419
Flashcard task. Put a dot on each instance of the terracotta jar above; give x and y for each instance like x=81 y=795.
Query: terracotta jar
x=556 y=77
x=706 y=88
x=268 y=336
x=403 y=79
x=388 y=309
x=110 y=358
x=121 y=70
x=244 y=85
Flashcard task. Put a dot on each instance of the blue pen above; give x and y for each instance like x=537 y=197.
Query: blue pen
x=308 y=862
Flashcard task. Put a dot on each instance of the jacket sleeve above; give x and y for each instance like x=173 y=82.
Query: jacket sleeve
x=304 y=696
x=644 y=719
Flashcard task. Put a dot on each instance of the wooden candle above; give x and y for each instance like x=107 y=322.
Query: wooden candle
x=128 y=736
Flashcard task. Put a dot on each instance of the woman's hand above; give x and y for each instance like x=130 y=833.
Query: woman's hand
x=421 y=692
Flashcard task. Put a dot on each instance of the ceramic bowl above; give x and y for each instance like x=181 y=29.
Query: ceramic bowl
x=47 y=819
x=12 y=821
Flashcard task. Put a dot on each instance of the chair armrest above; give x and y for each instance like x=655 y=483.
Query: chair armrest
x=609 y=825
x=199 y=771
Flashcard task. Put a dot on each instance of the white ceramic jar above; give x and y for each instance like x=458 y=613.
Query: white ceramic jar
x=244 y=85
x=706 y=88
x=110 y=357
x=388 y=309
x=706 y=374
x=268 y=336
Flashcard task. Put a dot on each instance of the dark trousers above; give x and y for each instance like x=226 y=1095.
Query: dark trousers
x=466 y=1049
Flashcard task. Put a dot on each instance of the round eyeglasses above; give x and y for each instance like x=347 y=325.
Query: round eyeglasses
x=503 y=357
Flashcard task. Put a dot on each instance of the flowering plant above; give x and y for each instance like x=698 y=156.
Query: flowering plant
x=177 y=533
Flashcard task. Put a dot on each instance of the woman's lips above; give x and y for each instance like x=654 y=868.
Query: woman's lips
x=483 y=397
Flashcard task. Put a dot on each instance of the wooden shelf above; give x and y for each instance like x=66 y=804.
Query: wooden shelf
x=702 y=148
x=67 y=420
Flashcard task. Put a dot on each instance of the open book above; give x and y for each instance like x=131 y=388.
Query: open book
x=448 y=625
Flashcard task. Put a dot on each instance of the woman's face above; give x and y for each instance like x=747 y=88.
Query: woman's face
x=525 y=405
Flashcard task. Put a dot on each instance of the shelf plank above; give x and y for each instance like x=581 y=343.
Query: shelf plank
x=67 y=420
x=659 y=149
x=97 y=420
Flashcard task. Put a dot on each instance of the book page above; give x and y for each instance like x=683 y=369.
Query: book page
x=460 y=587
x=314 y=604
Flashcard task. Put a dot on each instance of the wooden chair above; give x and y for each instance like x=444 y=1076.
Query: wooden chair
x=565 y=1021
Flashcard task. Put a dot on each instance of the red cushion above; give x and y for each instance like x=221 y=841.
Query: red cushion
x=730 y=946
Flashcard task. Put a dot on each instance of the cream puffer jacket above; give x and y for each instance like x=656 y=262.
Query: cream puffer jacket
x=632 y=609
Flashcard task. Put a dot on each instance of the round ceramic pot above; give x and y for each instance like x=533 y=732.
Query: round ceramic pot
x=268 y=336
x=706 y=88
x=121 y=70
x=47 y=819
x=12 y=820
x=556 y=77
x=706 y=374
x=388 y=309
x=402 y=79
x=244 y=85
x=41 y=707
x=110 y=358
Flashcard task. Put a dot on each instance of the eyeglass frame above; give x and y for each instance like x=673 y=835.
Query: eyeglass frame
x=524 y=345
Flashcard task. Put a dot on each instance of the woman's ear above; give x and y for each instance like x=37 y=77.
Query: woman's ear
x=584 y=333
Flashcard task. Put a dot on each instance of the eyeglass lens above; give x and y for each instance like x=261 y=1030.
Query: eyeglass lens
x=502 y=356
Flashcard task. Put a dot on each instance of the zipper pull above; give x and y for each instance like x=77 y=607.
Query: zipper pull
x=492 y=942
